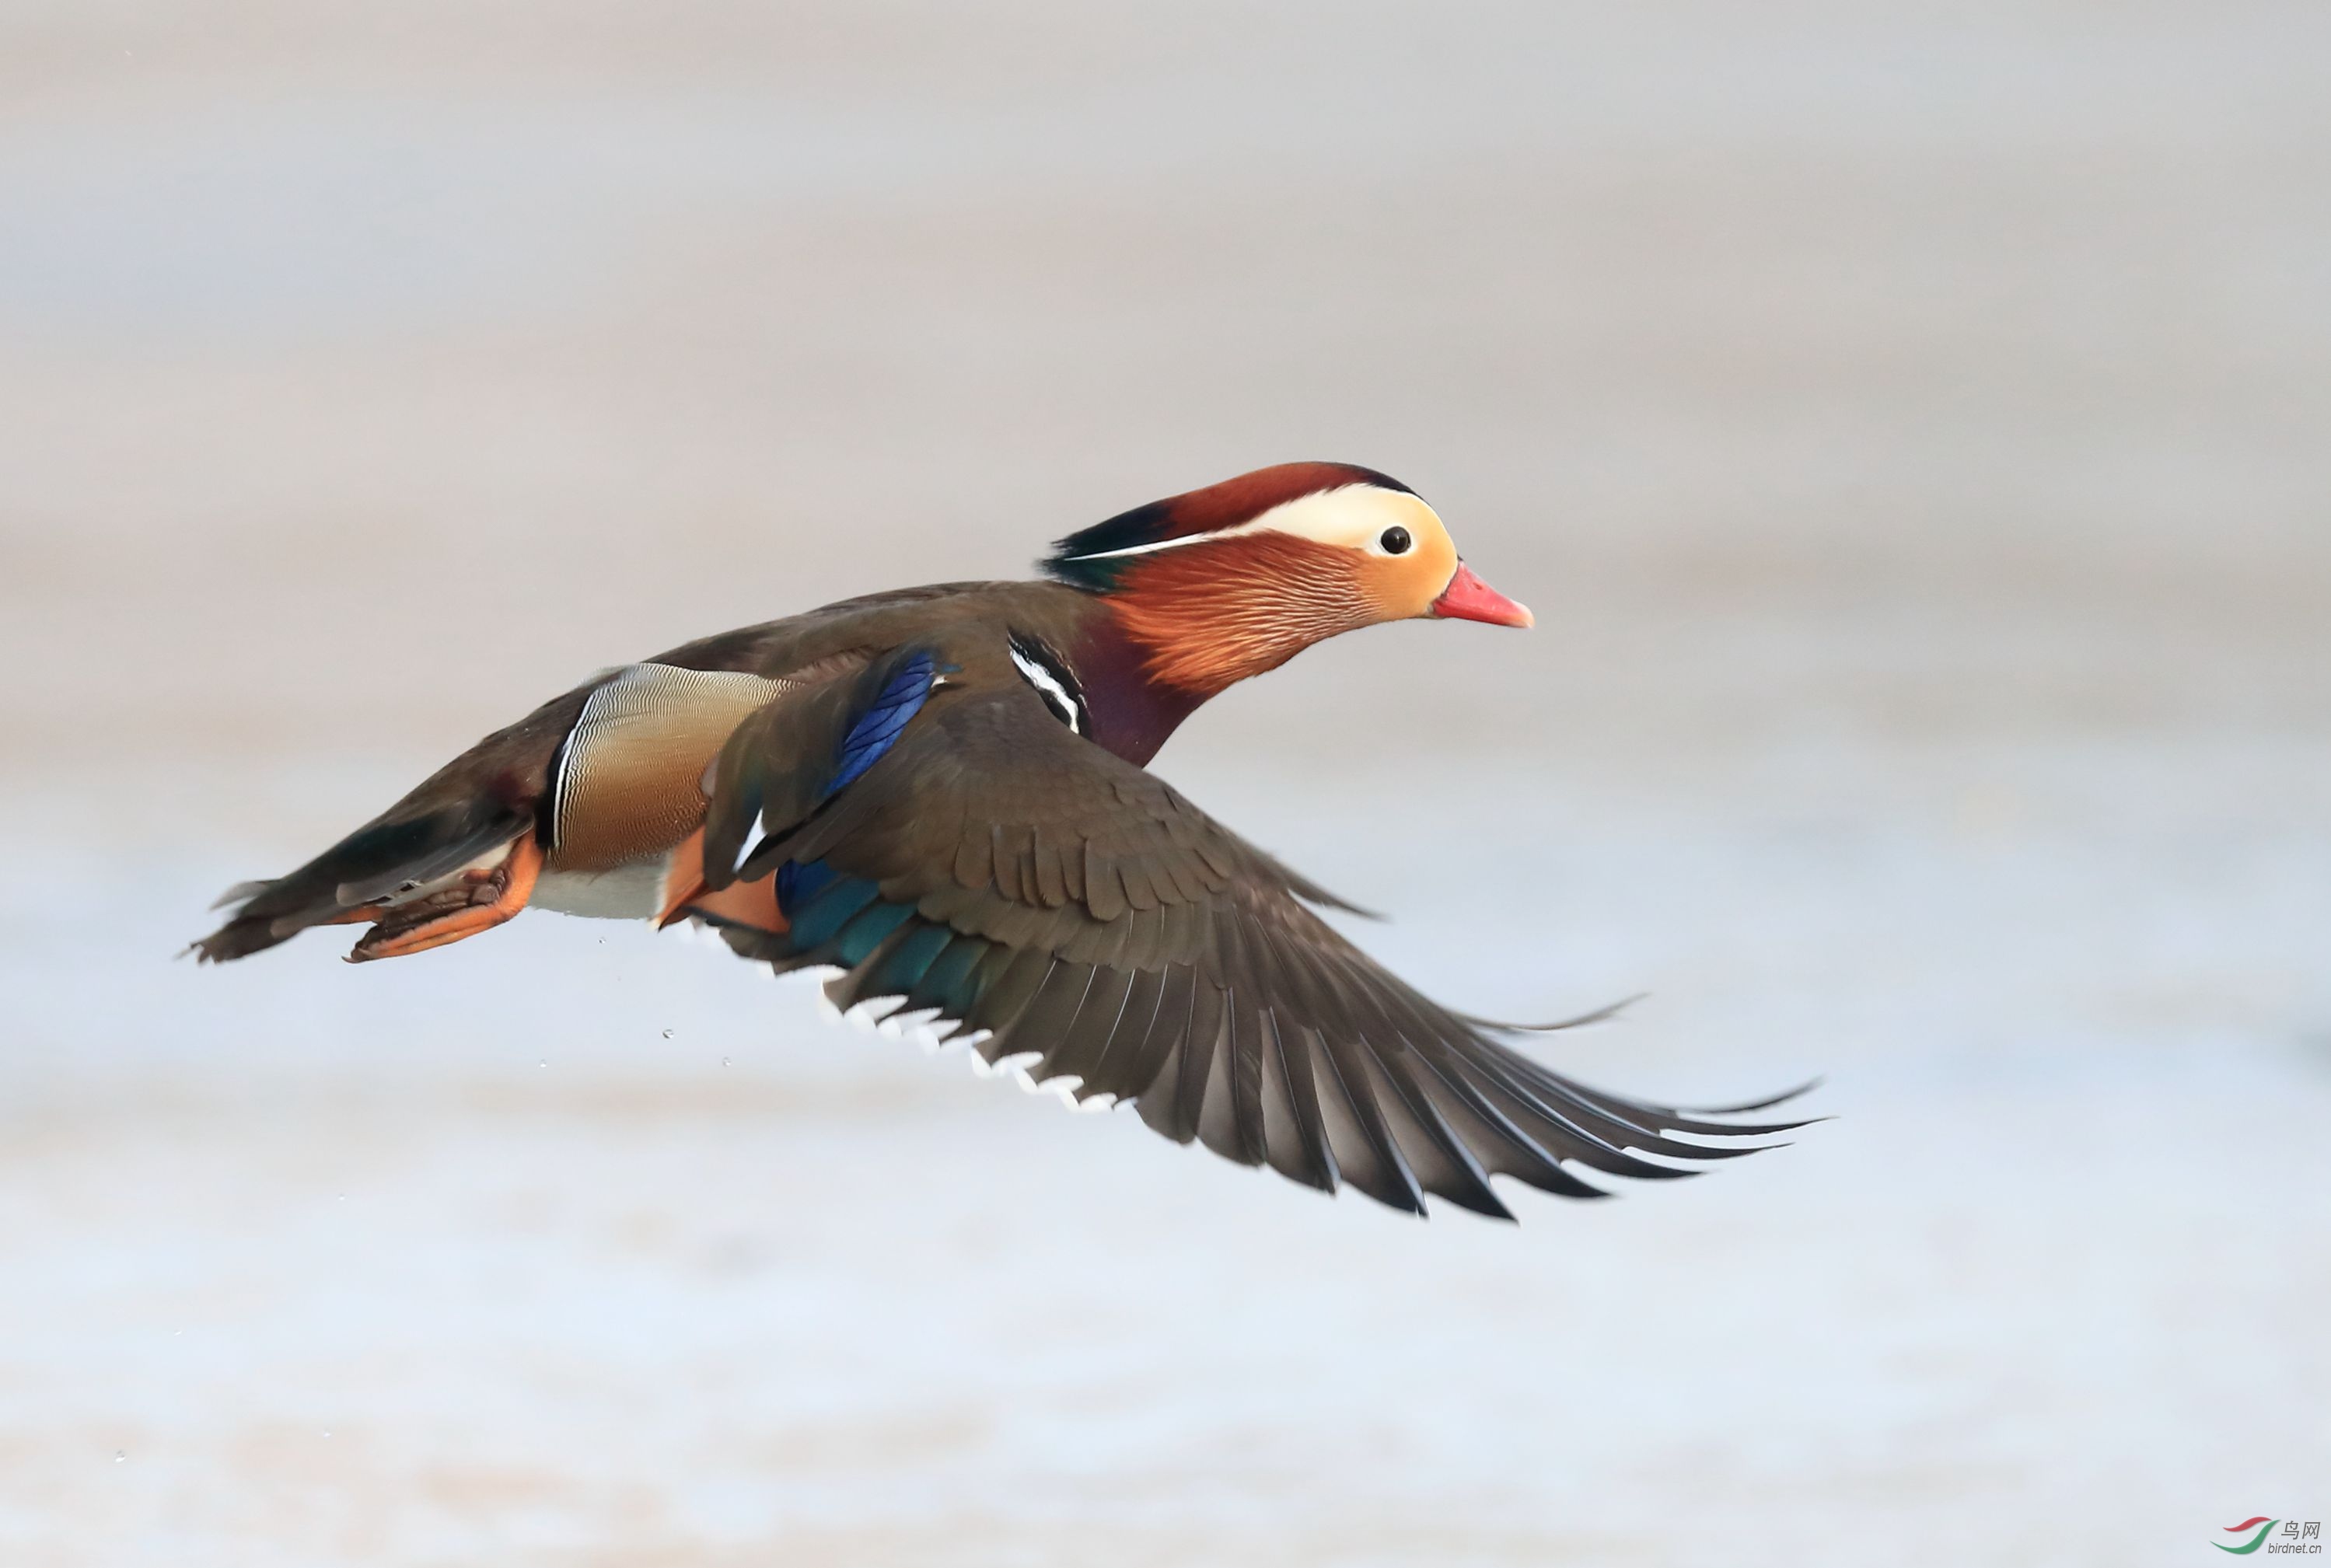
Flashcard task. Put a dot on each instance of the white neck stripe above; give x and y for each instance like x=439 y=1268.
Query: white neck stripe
x=1048 y=687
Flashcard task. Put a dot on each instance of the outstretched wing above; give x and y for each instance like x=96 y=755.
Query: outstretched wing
x=953 y=846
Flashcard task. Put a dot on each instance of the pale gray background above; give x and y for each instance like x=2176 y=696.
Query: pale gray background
x=1910 y=429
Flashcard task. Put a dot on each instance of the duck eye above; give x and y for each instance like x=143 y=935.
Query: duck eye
x=1395 y=541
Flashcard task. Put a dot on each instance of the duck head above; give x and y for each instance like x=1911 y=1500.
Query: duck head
x=1231 y=581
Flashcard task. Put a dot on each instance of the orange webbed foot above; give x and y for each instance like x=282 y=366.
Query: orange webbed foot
x=478 y=902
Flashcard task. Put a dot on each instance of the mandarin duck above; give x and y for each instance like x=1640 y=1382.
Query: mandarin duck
x=943 y=793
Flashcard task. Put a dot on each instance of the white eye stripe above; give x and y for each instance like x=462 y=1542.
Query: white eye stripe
x=1156 y=545
x=1353 y=515
x=1067 y=706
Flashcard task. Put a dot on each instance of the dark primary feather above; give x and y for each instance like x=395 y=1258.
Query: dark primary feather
x=1003 y=875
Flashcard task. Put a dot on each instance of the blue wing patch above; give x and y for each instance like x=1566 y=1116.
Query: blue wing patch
x=820 y=905
x=878 y=727
x=824 y=909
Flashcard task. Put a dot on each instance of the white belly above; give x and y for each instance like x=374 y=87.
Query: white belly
x=633 y=890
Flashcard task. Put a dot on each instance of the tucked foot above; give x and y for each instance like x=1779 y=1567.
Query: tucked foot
x=479 y=901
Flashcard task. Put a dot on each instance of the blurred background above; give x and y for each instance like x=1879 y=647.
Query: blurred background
x=1910 y=429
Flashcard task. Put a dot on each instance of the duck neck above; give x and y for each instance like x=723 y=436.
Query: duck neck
x=1133 y=711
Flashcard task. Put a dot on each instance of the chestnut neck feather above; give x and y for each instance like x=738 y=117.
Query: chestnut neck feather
x=1186 y=623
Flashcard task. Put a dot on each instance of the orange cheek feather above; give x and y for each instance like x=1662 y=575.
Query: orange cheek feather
x=1403 y=587
x=1213 y=614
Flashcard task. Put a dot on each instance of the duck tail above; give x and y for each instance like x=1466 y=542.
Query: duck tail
x=385 y=862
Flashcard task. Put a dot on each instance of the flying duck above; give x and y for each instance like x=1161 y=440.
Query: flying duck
x=943 y=793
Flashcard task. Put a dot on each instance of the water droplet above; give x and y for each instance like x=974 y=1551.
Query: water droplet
x=544 y=1062
x=723 y=1061
x=667 y=1034
x=119 y=1456
x=327 y=1431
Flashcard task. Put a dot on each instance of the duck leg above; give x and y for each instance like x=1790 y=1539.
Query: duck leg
x=479 y=901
